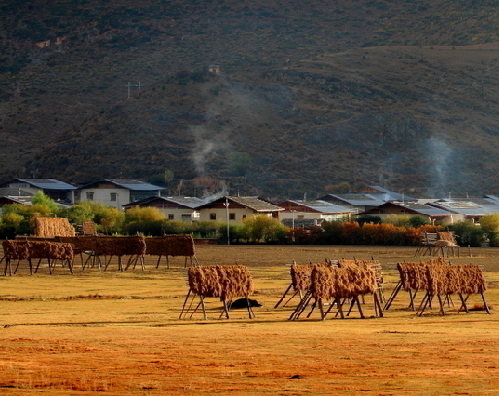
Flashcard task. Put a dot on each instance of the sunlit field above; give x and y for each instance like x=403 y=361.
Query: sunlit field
x=119 y=333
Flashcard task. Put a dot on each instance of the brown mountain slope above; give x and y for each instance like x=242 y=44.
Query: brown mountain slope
x=316 y=93
x=412 y=118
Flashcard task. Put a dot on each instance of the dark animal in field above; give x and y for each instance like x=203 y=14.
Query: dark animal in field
x=243 y=303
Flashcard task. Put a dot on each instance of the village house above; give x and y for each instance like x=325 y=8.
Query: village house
x=10 y=196
x=301 y=213
x=469 y=208
x=59 y=191
x=117 y=192
x=432 y=213
x=236 y=209
x=174 y=208
x=358 y=202
x=382 y=194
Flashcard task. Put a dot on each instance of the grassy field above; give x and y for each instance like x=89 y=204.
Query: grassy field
x=116 y=333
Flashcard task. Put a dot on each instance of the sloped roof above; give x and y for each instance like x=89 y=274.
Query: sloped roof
x=427 y=210
x=14 y=193
x=129 y=184
x=188 y=202
x=387 y=195
x=415 y=208
x=356 y=199
x=468 y=208
x=323 y=206
x=252 y=203
x=4 y=199
x=46 y=184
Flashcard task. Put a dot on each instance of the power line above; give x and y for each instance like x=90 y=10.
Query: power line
x=129 y=85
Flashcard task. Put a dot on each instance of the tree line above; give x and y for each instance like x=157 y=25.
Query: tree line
x=149 y=221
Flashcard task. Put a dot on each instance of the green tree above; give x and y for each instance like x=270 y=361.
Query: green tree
x=363 y=219
x=265 y=228
x=108 y=219
x=41 y=199
x=490 y=225
x=418 y=221
x=468 y=233
x=143 y=214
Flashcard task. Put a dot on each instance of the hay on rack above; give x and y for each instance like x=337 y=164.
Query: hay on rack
x=336 y=285
x=119 y=246
x=222 y=282
x=48 y=227
x=329 y=283
x=39 y=250
x=301 y=275
x=171 y=245
x=448 y=280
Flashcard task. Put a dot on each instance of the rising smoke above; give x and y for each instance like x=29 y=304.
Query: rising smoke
x=439 y=159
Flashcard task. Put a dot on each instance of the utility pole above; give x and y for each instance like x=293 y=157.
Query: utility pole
x=227 y=214
x=129 y=85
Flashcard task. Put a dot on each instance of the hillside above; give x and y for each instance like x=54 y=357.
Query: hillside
x=310 y=95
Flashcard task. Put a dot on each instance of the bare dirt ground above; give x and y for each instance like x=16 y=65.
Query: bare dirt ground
x=114 y=333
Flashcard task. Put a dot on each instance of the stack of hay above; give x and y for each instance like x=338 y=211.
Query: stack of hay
x=47 y=227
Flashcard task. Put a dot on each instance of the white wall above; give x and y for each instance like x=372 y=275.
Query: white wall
x=103 y=196
x=312 y=215
x=221 y=214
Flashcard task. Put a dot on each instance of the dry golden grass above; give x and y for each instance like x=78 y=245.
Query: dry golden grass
x=116 y=333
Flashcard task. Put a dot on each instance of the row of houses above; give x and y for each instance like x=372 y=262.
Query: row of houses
x=374 y=200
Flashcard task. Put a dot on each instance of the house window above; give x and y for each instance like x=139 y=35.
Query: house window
x=90 y=196
x=213 y=216
x=114 y=197
x=244 y=216
x=232 y=216
x=171 y=217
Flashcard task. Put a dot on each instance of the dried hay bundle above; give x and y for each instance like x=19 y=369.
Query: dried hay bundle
x=445 y=280
x=407 y=272
x=48 y=227
x=171 y=245
x=301 y=275
x=332 y=283
x=473 y=281
x=155 y=246
x=15 y=250
x=38 y=250
x=180 y=245
x=224 y=282
x=442 y=243
x=80 y=243
x=437 y=261
x=120 y=245
x=445 y=239
x=89 y=228
x=236 y=281
x=416 y=276
x=413 y=276
x=204 y=281
x=375 y=265
x=343 y=263
x=59 y=251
